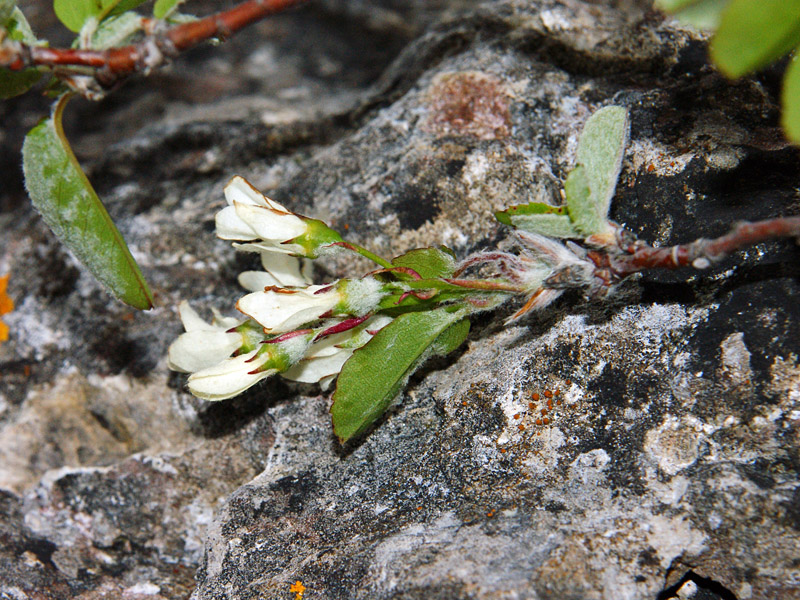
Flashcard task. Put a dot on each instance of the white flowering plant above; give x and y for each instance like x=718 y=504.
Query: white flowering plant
x=371 y=332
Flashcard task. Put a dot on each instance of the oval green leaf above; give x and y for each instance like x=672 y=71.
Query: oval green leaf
x=14 y=83
x=791 y=100
x=752 y=34
x=376 y=373
x=67 y=202
x=428 y=262
x=601 y=148
x=702 y=14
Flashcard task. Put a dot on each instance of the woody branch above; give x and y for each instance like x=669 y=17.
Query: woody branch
x=113 y=64
x=700 y=254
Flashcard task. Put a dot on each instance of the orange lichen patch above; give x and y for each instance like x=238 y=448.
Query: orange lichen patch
x=6 y=306
x=538 y=421
x=548 y=394
x=469 y=103
x=546 y=421
x=502 y=450
x=518 y=416
x=544 y=411
x=531 y=405
x=298 y=589
x=535 y=396
x=521 y=427
x=549 y=404
x=557 y=392
x=568 y=382
x=490 y=514
x=464 y=403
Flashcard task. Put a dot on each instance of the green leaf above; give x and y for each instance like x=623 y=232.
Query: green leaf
x=117 y=31
x=753 y=34
x=163 y=8
x=376 y=373
x=73 y=13
x=791 y=100
x=63 y=195
x=428 y=262
x=540 y=218
x=582 y=210
x=14 y=83
x=600 y=151
x=6 y=8
x=702 y=14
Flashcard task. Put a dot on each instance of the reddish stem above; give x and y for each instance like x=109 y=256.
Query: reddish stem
x=115 y=63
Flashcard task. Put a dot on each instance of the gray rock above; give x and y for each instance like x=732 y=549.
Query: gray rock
x=631 y=449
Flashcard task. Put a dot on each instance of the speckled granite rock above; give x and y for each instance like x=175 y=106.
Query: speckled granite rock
x=639 y=449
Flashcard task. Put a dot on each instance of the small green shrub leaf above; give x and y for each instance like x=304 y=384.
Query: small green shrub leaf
x=163 y=8
x=376 y=373
x=753 y=34
x=791 y=100
x=63 y=195
x=14 y=83
x=701 y=14
x=582 y=209
x=117 y=31
x=428 y=262
x=540 y=218
x=73 y=13
x=600 y=151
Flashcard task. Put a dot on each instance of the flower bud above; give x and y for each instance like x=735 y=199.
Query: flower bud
x=267 y=226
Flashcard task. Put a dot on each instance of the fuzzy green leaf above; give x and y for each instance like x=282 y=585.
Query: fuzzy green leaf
x=600 y=151
x=791 y=100
x=63 y=195
x=14 y=83
x=74 y=13
x=117 y=31
x=428 y=262
x=376 y=373
x=753 y=34
x=163 y=8
x=702 y=14
x=540 y=218
x=582 y=209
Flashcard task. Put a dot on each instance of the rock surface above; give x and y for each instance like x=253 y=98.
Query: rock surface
x=668 y=459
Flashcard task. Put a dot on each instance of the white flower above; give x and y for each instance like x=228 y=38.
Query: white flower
x=268 y=226
x=203 y=344
x=230 y=377
x=280 y=270
x=251 y=216
x=324 y=359
x=281 y=310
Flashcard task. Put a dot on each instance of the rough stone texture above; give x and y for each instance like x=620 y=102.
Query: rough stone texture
x=668 y=463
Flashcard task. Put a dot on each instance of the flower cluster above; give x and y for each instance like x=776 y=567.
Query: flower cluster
x=290 y=327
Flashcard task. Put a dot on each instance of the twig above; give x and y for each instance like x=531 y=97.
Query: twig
x=114 y=64
x=700 y=254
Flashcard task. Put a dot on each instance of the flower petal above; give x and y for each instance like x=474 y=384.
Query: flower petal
x=315 y=369
x=190 y=319
x=240 y=190
x=281 y=310
x=270 y=223
x=196 y=350
x=229 y=378
x=231 y=227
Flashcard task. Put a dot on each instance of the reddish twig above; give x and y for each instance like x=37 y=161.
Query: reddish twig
x=114 y=64
x=700 y=254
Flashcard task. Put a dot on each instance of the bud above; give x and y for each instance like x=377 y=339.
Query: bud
x=267 y=226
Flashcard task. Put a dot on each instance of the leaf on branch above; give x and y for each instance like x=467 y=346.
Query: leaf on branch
x=791 y=100
x=63 y=195
x=540 y=218
x=428 y=262
x=753 y=34
x=600 y=151
x=701 y=14
x=163 y=8
x=14 y=83
x=74 y=13
x=376 y=373
x=117 y=31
